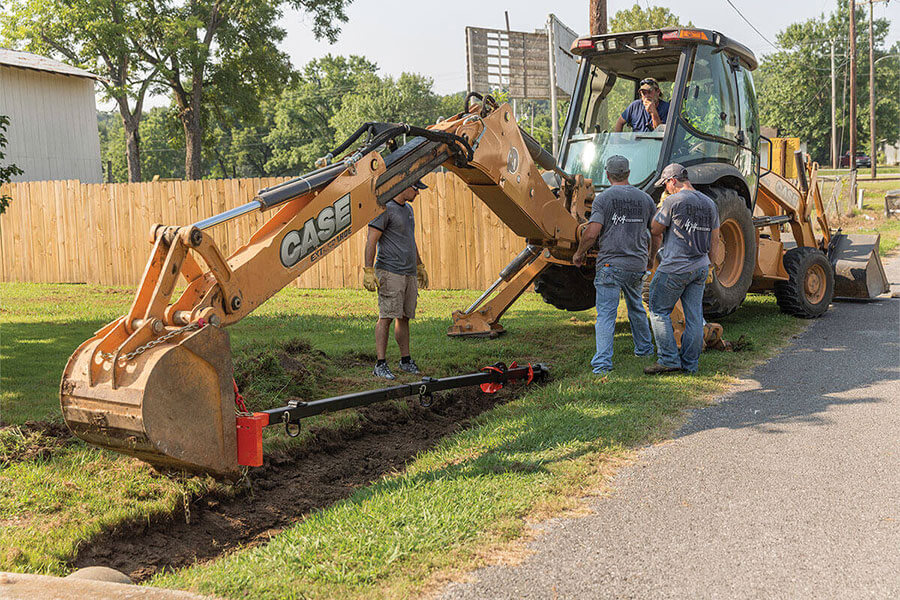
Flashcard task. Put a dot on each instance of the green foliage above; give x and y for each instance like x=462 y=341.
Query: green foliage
x=408 y=99
x=637 y=19
x=223 y=57
x=93 y=35
x=302 y=130
x=162 y=145
x=794 y=84
x=7 y=172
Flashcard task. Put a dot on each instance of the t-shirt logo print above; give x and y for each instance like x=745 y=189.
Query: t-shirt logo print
x=691 y=227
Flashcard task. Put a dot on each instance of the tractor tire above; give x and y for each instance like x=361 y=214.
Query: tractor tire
x=567 y=288
x=734 y=273
x=810 y=288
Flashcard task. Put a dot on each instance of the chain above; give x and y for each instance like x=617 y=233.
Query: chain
x=153 y=343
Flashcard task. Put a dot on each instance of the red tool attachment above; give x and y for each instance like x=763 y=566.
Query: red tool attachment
x=249 y=438
x=494 y=387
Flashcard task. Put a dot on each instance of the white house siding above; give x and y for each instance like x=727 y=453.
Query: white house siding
x=53 y=125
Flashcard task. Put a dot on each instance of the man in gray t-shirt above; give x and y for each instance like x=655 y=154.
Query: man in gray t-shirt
x=397 y=274
x=620 y=218
x=688 y=224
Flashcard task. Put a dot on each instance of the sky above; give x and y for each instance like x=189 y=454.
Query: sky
x=428 y=37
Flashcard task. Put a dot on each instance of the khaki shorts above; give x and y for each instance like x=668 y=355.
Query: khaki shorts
x=397 y=295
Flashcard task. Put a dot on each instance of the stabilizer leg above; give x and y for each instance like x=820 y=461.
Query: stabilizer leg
x=482 y=319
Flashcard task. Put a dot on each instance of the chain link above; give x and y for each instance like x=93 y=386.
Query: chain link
x=151 y=344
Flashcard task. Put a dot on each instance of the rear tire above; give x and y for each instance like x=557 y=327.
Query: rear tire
x=567 y=288
x=810 y=288
x=734 y=273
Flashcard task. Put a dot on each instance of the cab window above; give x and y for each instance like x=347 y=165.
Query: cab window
x=710 y=100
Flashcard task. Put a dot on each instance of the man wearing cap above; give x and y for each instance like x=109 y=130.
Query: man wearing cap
x=397 y=274
x=620 y=217
x=647 y=113
x=688 y=223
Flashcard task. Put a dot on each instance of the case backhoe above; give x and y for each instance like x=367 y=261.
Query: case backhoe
x=157 y=382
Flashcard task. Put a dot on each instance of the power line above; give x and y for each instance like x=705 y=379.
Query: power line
x=751 y=24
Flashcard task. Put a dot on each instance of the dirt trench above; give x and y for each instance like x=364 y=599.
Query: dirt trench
x=288 y=487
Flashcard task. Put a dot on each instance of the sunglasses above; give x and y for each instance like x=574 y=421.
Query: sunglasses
x=649 y=82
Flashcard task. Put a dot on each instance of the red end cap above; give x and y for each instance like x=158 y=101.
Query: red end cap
x=249 y=439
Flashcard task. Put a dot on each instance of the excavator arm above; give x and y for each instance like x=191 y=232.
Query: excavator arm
x=157 y=383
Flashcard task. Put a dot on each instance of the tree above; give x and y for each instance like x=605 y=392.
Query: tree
x=7 y=172
x=408 y=99
x=638 y=19
x=794 y=86
x=301 y=128
x=91 y=34
x=221 y=49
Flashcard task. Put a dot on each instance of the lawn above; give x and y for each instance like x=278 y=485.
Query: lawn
x=453 y=505
x=871 y=218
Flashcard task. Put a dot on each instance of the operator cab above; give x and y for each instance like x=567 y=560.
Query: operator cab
x=703 y=75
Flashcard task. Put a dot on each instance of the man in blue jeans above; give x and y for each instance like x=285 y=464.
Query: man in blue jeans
x=688 y=223
x=620 y=217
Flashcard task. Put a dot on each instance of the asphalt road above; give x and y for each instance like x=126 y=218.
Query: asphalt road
x=788 y=488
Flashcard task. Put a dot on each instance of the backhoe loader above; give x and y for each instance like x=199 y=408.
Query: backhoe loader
x=157 y=383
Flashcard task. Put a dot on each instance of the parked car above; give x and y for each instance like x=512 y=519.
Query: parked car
x=862 y=160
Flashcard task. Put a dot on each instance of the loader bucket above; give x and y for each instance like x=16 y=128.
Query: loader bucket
x=858 y=272
x=172 y=406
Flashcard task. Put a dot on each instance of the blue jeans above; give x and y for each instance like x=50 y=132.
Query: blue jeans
x=609 y=281
x=665 y=290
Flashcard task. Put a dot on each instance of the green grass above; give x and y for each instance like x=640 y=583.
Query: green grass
x=454 y=505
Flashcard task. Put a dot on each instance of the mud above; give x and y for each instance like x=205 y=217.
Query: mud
x=288 y=487
x=33 y=440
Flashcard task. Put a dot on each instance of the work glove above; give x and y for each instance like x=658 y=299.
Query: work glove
x=711 y=275
x=421 y=276
x=370 y=282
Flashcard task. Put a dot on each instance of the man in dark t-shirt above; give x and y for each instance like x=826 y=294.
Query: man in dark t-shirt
x=397 y=273
x=620 y=217
x=688 y=222
x=646 y=113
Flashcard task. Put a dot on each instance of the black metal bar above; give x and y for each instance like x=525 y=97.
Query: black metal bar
x=295 y=411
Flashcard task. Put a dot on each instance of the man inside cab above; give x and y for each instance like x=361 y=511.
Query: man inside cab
x=647 y=113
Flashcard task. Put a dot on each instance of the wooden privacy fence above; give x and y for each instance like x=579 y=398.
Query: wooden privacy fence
x=68 y=232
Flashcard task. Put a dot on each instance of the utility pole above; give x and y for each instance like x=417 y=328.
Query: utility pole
x=834 y=148
x=597 y=16
x=852 y=99
x=873 y=149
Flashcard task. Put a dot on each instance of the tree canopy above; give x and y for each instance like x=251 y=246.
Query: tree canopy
x=794 y=85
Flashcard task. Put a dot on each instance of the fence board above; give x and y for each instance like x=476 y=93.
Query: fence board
x=66 y=231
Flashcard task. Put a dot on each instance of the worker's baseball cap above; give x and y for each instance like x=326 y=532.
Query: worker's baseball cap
x=419 y=185
x=649 y=83
x=673 y=170
x=617 y=166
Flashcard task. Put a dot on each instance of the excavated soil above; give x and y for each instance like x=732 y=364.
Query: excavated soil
x=39 y=441
x=288 y=487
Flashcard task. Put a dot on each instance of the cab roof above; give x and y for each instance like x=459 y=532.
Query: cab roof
x=633 y=42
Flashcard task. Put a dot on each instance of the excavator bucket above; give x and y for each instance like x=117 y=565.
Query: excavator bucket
x=858 y=272
x=171 y=405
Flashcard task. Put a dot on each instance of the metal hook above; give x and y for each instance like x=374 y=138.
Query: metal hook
x=291 y=429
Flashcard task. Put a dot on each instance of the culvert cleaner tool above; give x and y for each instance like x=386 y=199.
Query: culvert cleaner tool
x=250 y=425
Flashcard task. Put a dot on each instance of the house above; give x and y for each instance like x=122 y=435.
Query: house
x=52 y=132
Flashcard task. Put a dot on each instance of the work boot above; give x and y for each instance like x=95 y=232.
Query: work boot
x=660 y=369
x=383 y=370
x=409 y=366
